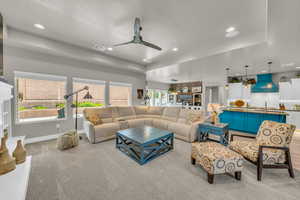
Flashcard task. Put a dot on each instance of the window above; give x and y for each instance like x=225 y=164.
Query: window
x=39 y=97
x=93 y=97
x=119 y=94
x=158 y=97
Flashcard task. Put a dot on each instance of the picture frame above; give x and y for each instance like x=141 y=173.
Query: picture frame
x=140 y=93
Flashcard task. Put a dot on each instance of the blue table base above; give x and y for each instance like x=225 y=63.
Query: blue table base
x=206 y=129
x=143 y=153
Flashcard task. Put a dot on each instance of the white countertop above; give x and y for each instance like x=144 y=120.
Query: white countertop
x=13 y=185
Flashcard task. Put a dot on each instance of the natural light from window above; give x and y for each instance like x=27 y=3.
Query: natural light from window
x=94 y=97
x=119 y=94
x=39 y=97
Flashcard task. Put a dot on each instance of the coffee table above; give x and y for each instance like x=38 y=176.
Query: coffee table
x=144 y=143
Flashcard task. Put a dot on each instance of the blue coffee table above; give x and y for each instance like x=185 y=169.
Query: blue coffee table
x=145 y=143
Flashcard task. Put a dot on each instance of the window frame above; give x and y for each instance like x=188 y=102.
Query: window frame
x=36 y=76
x=121 y=84
x=87 y=81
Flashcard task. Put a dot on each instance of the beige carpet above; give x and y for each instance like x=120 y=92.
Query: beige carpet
x=101 y=172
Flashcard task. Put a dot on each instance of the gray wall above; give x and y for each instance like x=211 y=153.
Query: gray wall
x=18 y=59
x=157 y=85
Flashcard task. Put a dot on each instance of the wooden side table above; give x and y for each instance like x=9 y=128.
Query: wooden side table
x=219 y=129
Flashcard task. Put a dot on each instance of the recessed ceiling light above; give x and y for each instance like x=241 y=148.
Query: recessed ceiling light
x=232 y=34
x=109 y=48
x=230 y=29
x=146 y=60
x=175 y=49
x=39 y=26
x=99 y=47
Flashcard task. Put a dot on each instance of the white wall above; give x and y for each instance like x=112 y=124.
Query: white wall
x=17 y=59
x=157 y=85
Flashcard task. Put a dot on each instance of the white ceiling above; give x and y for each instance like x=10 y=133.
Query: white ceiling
x=282 y=46
x=196 y=27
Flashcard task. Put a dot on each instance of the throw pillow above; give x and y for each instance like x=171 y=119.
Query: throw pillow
x=94 y=119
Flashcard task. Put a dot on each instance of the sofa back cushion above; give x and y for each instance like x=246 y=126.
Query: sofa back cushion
x=187 y=116
x=104 y=114
x=140 y=110
x=155 y=110
x=272 y=133
x=171 y=113
x=124 y=113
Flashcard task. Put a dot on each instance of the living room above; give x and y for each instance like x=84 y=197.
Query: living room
x=132 y=100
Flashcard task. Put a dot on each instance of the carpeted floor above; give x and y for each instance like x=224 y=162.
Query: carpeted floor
x=101 y=172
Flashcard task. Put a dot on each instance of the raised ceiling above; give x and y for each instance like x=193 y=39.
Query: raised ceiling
x=281 y=45
x=196 y=27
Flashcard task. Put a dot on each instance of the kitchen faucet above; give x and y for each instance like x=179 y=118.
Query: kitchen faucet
x=266 y=105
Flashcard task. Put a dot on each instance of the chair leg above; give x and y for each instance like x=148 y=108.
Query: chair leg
x=210 y=178
x=289 y=162
x=238 y=175
x=259 y=165
x=193 y=160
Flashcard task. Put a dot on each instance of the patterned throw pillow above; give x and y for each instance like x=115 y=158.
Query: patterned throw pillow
x=275 y=134
x=94 y=119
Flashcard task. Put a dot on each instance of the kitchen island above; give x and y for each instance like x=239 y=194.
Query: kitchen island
x=249 y=120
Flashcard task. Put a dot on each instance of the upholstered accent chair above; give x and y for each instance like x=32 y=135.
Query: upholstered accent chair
x=269 y=149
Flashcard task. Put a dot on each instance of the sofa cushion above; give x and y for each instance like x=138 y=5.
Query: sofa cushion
x=188 y=116
x=160 y=123
x=136 y=123
x=179 y=129
x=148 y=121
x=141 y=110
x=171 y=113
x=125 y=113
x=249 y=149
x=106 y=130
x=272 y=133
x=148 y=116
x=155 y=110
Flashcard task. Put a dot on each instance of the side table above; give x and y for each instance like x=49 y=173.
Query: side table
x=220 y=129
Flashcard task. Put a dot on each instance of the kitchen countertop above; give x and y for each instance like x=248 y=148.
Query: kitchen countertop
x=262 y=111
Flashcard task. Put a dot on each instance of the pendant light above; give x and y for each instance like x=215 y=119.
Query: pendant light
x=269 y=85
x=227 y=74
x=246 y=75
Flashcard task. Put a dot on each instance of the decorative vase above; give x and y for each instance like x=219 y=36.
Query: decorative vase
x=7 y=163
x=19 y=153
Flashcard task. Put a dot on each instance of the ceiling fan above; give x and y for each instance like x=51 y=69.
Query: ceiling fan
x=137 y=38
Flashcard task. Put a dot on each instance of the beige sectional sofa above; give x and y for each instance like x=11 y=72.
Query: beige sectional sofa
x=101 y=124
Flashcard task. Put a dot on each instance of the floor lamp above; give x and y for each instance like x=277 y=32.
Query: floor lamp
x=76 y=104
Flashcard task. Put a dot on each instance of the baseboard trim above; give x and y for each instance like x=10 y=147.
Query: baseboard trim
x=46 y=138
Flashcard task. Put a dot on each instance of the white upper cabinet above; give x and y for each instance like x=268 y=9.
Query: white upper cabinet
x=285 y=91
x=235 y=91
x=246 y=92
x=295 y=89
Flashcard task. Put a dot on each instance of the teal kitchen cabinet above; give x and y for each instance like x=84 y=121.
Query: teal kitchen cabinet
x=249 y=121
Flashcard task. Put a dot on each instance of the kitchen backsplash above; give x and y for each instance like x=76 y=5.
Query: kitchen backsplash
x=259 y=100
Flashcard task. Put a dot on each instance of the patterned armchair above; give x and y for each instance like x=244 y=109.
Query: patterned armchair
x=270 y=149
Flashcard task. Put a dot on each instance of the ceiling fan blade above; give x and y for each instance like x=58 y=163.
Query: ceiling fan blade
x=148 y=44
x=125 y=43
